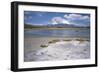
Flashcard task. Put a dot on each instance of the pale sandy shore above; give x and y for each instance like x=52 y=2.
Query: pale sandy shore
x=33 y=44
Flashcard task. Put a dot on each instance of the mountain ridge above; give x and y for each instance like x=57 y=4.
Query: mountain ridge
x=55 y=26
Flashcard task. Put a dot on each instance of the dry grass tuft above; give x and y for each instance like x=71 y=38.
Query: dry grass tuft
x=54 y=41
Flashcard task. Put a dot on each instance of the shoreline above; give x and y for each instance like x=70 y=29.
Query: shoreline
x=33 y=50
x=33 y=43
x=54 y=28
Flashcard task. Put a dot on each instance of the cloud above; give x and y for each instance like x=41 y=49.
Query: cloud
x=27 y=17
x=59 y=20
x=78 y=19
x=76 y=16
x=39 y=14
x=26 y=12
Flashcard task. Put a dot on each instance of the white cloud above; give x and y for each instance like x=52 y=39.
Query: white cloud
x=76 y=16
x=27 y=17
x=65 y=21
x=39 y=24
x=86 y=17
x=26 y=12
x=59 y=20
x=39 y=14
x=78 y=19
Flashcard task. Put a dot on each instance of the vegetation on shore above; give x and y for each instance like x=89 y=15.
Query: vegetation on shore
x=43 y=46
x=26 y=26
x=54 y=41
x=67 y=40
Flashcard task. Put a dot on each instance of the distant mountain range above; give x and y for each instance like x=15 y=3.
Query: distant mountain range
x=55 y=26
x=62 y=25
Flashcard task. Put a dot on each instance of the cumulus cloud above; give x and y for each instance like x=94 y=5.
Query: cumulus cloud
x=26 y=12
x=78 y=19
x=59 y=20
x=76 y=16
x=27 y=17
x=40 y=14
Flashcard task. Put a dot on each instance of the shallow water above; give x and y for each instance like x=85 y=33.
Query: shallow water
x=68 y=50
x=84 y=32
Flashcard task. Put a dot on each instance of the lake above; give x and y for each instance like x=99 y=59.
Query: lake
x=65 y=48
x=73 y=33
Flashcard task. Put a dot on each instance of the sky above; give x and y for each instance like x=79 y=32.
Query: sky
x=54 y=18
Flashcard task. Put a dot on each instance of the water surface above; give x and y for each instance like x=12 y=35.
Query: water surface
x=73 y=33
